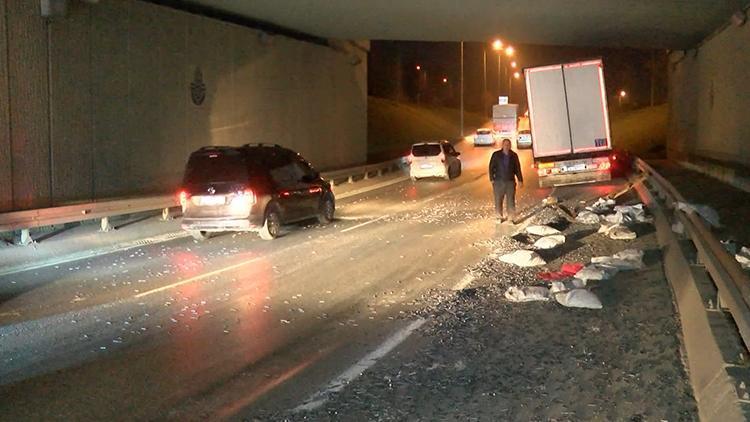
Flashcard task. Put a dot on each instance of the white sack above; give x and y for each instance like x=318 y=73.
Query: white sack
x=523 y=258
x=707 y=213
x=564 y=286
x=579 y=298
x=633 y=213
x=587 y=217
x=527 y=294
x=743 y=257
x=616 y=231
x=542 y=230
x=620 y=232
x=595 y=272
x=601 y=205
x=549 y=242
x=678 y=228
x=616 y=218
x=629 y=259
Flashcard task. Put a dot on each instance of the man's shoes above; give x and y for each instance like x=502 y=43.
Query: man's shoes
x=500 y=219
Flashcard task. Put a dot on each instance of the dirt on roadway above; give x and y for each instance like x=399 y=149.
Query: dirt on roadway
x=482 y=358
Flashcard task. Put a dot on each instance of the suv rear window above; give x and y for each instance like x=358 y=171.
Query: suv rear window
x=483 y=132
x=219 y=166
x=426 y=150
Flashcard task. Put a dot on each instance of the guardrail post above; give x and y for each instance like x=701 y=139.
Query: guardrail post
x=380 y=172
x=25 y=238
x=350 y=179
x=367 y=175
x=105 y=227
x=165 y=215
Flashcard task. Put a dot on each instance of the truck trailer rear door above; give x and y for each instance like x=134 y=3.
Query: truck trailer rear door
x=548 y=111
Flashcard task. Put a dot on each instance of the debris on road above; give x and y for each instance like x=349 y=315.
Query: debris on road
x=743 y=257
x=632 y=213
x=527 y=294
x=578 y=298
x=595 y=272
x=617 y=231
x=704 y=211
x=588 y=217
x=542 y=230
x=601 y=206
x=628 y=259
x=523 y=258
x=549 y=242
x=567 y=270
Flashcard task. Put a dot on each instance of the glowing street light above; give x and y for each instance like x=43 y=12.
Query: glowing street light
x=516 y=75
x=513 y=64
x=621 y=97
x=509 y=51
x=497 y=45
x=445 y=80
x=419 y=67
x=623 y=94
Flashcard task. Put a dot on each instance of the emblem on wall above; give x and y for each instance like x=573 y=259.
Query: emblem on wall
x=198 y=87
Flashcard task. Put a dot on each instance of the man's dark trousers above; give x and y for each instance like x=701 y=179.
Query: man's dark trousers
x=505 y=189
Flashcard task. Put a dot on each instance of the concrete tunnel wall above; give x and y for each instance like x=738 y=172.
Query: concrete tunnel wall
x=710 y=100
x=97 y=103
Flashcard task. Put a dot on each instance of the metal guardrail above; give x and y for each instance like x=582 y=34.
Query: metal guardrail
x=732 y=283
x=28 y=219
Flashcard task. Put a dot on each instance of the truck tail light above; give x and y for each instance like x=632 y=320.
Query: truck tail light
x=605 y=165
x=410 y=158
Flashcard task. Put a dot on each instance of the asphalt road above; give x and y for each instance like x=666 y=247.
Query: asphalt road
x=218 y=329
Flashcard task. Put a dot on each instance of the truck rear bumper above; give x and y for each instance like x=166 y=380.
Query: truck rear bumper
x=573 y=178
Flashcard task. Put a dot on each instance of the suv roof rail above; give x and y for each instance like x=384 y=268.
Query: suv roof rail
x=209 y=147
x=261 y=144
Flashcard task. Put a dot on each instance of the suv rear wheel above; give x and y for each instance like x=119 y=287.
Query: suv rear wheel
x=326 y=210
x=200 y=235
x=271 y=225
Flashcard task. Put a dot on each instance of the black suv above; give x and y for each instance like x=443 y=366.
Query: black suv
x=255 y=187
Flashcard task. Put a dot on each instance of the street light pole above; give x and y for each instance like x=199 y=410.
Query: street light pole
x=462 y=90
x=484 y=79
x=499 y=64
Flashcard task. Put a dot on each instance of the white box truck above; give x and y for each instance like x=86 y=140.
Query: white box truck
x=505 y=122
x=569 y=122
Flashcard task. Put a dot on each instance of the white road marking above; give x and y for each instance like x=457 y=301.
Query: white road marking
x=195 y=278
x=364 y=224
x=370 y=188
x=354 y=217
x=465 y=281
x=346 y=377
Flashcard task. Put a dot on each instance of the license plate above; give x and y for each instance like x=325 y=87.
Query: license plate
x=211 y=200
x=577 y=167
x=426 y=166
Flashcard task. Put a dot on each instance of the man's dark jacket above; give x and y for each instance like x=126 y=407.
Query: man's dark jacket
x=497 y=170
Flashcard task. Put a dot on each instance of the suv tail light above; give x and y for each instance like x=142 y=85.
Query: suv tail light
x=442 y=157
x=183 y=197
x=410 y=158
x=248 y=195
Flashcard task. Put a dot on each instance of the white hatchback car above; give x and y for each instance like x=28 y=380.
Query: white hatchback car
x=484 y=137
x=434 y=159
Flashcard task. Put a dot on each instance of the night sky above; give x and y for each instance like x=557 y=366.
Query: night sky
x=392 y=72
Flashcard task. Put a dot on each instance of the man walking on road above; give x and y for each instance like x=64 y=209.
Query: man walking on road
x=504 y=169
